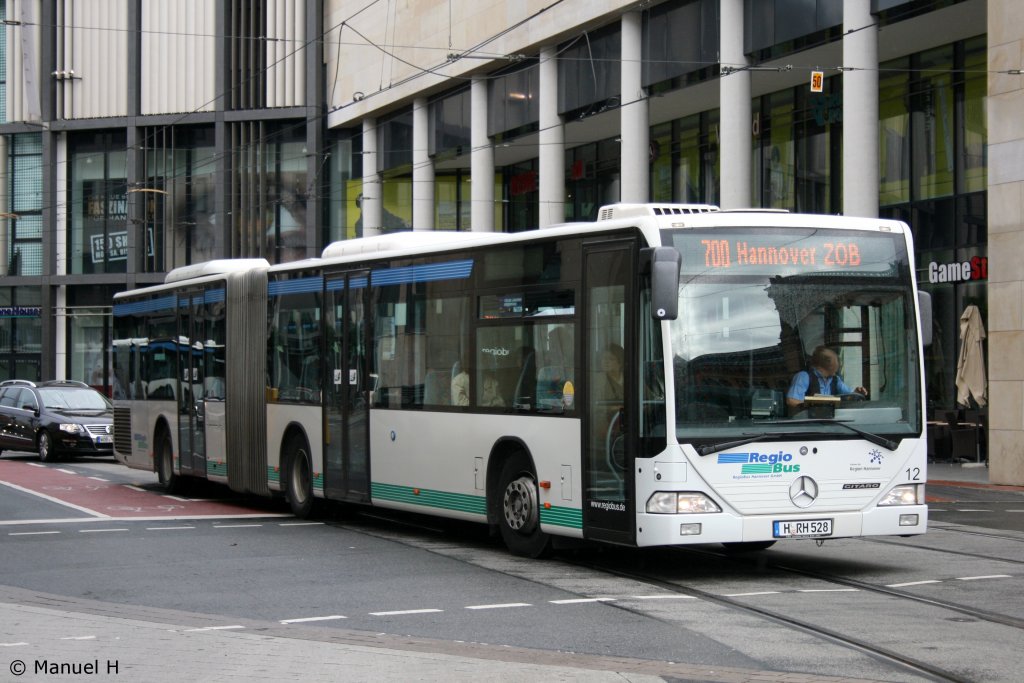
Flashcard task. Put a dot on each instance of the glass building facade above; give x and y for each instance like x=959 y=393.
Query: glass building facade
x=103 y=205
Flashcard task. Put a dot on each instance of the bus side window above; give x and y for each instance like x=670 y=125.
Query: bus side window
x=556 y=368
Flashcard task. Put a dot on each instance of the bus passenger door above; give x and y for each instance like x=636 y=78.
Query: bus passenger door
x=347 y=386
x=610 y=416
x=191 y=433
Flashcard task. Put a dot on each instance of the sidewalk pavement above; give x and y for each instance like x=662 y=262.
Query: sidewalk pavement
x=951 y=474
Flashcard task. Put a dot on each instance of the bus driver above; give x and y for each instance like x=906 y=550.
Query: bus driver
x=820 y=379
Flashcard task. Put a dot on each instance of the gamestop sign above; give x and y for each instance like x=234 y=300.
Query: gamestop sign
x=959 y=271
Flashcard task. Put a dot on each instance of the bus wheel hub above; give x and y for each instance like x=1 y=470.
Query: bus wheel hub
x=520 y=504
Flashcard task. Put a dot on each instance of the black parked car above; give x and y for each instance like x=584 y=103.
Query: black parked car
x=55 y=419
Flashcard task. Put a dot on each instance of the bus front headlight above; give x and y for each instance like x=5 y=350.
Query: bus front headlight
x=680 y=503
x=905 y=494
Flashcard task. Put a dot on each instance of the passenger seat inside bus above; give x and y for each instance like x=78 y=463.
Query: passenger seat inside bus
x=437 y=389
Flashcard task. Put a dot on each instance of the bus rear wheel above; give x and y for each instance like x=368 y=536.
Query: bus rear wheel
x=170 y=481
x=299 y=478
x=519 y=517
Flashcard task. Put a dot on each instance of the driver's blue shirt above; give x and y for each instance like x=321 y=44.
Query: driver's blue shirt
x=802 y=380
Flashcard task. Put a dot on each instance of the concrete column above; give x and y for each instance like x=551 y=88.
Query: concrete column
x=372 y=205
x=5 y=209
x=735 y=120
x=422 y=167
x=635 y=166
x=860 y=110
x=1005 y=243
x=552 y=144
x=481 y=160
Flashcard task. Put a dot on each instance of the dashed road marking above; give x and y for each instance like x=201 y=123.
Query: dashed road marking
x=979 y=578
x=500 y=606
x=912 y=583
x=32 y=533
x=214 y=628
x=303 y=620
x=406 y=611
x=664 y=597
x=576 y=601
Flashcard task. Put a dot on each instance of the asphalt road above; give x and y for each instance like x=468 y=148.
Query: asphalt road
x=93 y=538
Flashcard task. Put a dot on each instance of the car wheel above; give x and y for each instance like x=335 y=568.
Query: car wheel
x=45 y=448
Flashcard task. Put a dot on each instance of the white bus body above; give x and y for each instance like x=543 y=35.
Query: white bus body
x=474 y=377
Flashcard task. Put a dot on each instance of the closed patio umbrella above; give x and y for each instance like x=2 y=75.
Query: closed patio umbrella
x=971 y=379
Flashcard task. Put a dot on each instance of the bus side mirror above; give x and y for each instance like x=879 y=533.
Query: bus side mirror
x=924 y=307
x=665 y=263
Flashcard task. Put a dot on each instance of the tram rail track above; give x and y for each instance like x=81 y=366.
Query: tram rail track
x=966 y=610
x=892 y=657
x=948 y=551
x=888 y=656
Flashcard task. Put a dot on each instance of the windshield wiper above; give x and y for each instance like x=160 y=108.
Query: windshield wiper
x=763 y=436
x=721 y=446
x=873 y=438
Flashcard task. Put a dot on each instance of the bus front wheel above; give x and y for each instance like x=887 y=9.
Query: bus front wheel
x=299 y=478
x=520 y=509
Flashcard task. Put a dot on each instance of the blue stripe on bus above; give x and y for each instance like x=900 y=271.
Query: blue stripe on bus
x=213 y=296
x=298 y=286
x=452 y=270
x=145 y=306
x=339 y=284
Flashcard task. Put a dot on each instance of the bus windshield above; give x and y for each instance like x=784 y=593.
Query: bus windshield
x=754 y=306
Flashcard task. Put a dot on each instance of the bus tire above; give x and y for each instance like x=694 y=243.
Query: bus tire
x=298 y=477
x=748 y=547
x=170 y=481
x=519 y=509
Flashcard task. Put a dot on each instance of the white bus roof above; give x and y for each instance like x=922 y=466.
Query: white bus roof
x=403 y=241
x=215 y=267
x=619 y=211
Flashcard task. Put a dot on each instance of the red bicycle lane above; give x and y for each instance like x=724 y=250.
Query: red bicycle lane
x=99 y=498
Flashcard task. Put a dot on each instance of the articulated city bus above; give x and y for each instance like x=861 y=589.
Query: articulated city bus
x=629 y=380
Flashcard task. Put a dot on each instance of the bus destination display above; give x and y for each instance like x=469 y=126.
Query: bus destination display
x=777 y=253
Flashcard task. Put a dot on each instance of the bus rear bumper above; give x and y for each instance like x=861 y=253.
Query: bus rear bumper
x=903 y=520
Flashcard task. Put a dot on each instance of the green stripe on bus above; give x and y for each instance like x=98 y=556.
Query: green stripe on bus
x=443 y=500
x=555 y=516
x=216 y=469
x=559 y=516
